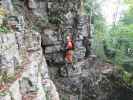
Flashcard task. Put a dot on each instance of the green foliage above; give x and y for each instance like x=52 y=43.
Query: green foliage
x=65 y=98
x=93 y=8
x=3 y=93
x=88 y=6
x=120 y=38
x=117 y=39
x=3 y=29
x=100 y=30
x=128 y=77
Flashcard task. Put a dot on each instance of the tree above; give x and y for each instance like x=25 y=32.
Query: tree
x=93 y=9
x=119 y=38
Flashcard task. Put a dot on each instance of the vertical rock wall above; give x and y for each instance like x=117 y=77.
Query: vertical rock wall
x=66 y=16
x=9 y=60
x=32 y=74
x=8 y=5
x=29 y=73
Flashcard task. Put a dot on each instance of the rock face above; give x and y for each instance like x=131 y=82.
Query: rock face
x=9 y=60
x=23 y=68
x=8 y=5
x=26 y=65
x=97 y=81
x=65 y=15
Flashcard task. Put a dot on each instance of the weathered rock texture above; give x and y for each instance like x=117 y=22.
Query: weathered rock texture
x=22 y=60
x=26 y=65
x=97 y=81
x=55 y=19
x=29 y=70
x=66 y=17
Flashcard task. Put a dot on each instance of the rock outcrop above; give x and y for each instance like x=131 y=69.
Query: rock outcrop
x=55 y=19
x=24 y=56
x=24 y=72
x=97 y=81
x=67 y=21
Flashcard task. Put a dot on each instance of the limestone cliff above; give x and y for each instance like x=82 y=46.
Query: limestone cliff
x=27 y=55
x=24 y=72
x=23 y=68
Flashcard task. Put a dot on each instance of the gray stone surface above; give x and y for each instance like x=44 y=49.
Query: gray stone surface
x=5 y=97
x=53 y=49
x=41 y=8
x=8 y=5
x=9 y=52
x=35 y=71
x=79 y=53
x=49 y=37
x=15 y=91
x=50 y=90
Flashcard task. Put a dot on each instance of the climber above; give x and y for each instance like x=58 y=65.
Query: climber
x=69 y=51
x=68 y=56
